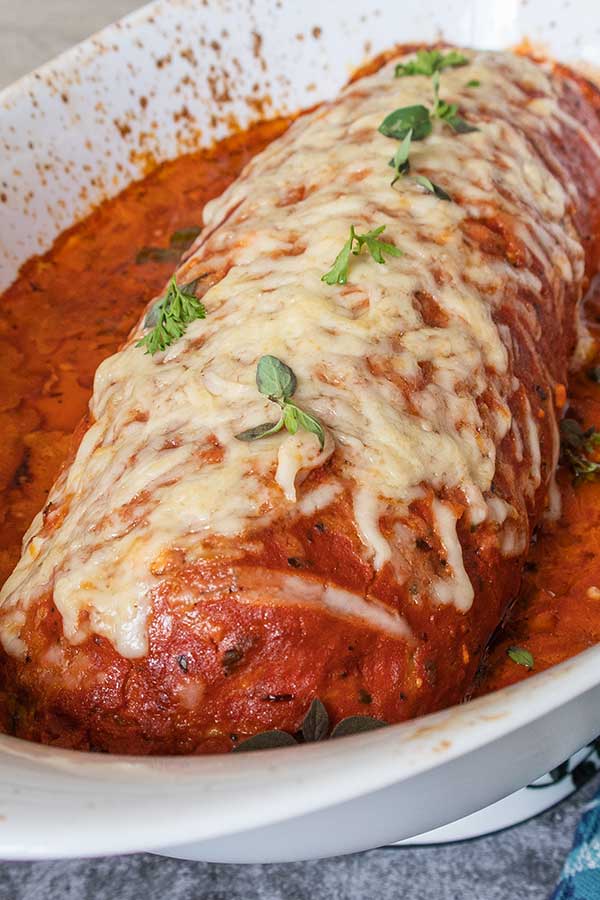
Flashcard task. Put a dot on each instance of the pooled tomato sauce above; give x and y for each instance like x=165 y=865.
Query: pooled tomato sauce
x=71 y=308
x=557 y=612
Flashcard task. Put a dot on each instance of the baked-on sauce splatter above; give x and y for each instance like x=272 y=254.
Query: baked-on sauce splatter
x=72 y=307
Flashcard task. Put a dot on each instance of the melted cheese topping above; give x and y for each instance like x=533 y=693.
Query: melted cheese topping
x=401 y=399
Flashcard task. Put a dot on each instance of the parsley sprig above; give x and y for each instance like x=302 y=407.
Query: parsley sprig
x=427 y=62
x=277 y=381
x=168 y=319
x=578 y=447
x=338 y=274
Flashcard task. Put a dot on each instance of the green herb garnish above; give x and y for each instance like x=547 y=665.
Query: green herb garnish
x=521 y=656
x=448 y=112
x=401 y=165
x=266 y=740
x=429 y=61
x=338 y=274
x=277 y=382
x=357 y=725
x=578 y=445
x=474 y=82
x=431 y=187
x=400 y=122
x=399 y=162
x=316 y=726
x=417 y=120
x=169 y=318
x=178 y=242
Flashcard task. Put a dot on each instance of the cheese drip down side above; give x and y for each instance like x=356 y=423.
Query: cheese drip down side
x=406 y=365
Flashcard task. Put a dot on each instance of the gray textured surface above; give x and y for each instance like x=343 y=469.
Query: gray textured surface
x=523 y=862
x=33 y=31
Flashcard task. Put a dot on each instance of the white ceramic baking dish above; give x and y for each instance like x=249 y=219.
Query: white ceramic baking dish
x=77 y=131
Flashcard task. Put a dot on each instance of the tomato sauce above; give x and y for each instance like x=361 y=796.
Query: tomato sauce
x=71 y=308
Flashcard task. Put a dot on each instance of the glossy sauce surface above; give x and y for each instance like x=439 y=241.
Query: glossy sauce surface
x=71 y=308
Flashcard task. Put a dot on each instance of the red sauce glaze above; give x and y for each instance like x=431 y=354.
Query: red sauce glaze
x=71 y=308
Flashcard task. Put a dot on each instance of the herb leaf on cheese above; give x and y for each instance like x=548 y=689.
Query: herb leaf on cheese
x=415 y=119
x=448 y=112
x=431 y=187
x=399 y=161
x=427 y=62
x=260 y=431
x=338 y=274
x=401 y=165
x=278 y=382
x=274 y=379
x=169 y=318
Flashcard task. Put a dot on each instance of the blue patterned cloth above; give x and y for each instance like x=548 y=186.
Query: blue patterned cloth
x=580 y=877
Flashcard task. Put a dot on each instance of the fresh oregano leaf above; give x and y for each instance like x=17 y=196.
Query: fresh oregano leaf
x=277 y=381
x=290 y=417
x=408 y=118
x=399 y=162
x=266 y=740
x=310 y=423
x=459 y=125
x=315 y=725
x=521 y=656
x=274 y=379
x=448 y=112
x=357 y=725
x=260 y=431
x=431 y=187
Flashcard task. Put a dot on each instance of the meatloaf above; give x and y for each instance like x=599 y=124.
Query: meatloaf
x=184 y=588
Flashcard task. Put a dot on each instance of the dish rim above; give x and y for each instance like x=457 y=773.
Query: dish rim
x=473 y=725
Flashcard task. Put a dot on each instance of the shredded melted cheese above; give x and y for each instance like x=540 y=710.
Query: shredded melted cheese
x=401 y=398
